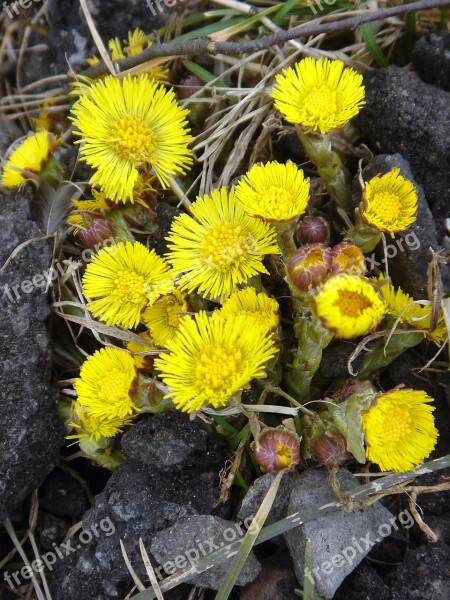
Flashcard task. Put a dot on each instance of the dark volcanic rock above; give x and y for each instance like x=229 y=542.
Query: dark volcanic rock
x=424 y=574
x=62 y=495
x=405 y=115
x=363 y=583
x=138 y=501
x=432 y=59
x=170 y=439
x=408 y=254
x=30 y=432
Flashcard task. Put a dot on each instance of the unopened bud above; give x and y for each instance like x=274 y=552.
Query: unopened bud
x=347 y=257
x=313 y=230
x=277 y=450
x=331 y=451
x=98 y=232
x=309 y=265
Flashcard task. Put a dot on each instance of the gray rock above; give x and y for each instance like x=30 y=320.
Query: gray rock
x=30 y=431
x=424 y=574
x=432 y=59
x=175 y=547
x=170 y=439
x=337 y=537
x=365 y=583
x=255 y=495
x=405 y=115
x=408 y=254
x=137 y=502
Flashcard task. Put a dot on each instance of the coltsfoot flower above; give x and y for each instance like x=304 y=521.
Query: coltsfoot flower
x=219 y=247
x=349 y=306
x=309 y=265
x=346 y=257
x=313 y=230
x=319 y=94
x=415 y=316
x=127 y=125
x=122 y=280
x=274 y=191
x=107 y=385
x=143 y=362
x=276 y=450
x=32 y=155
x=389 y=202
x=164 y=316
x=249 y=302
x=212 y=358
x=399 y=429
x=91 y=426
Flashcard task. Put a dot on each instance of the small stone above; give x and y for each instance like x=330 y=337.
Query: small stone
x=431 y=57
x=364 y=582
x=190 y=540
x=424 y=574
x=170 y=439
x=275 y=582
x=337 y=537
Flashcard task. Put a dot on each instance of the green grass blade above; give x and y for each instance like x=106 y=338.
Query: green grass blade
x=372 y=45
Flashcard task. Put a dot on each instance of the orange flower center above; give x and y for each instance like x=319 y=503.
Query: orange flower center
x=352 y=304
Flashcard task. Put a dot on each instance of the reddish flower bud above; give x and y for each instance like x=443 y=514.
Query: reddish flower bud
x=277 y=450
x=97 y=233
x=353 y=387
x=313 y=230
x=189 y=85
x=331 y=451
x=347 y=257
x=309 y=265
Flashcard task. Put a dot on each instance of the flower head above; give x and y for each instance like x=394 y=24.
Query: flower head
x=389 y=202
x=277 y=450
x=124 y=279
x=164 y=316
x=210 y=359
x=143 y=361
x=32 y=155
x=349 y=306
x=347 y=257
x=403 y=307
x=107 y=384
x=219 y=247
x=274 y=191
x=399 y=429
x=320 y=94
x=249 y=302
x=330 y=449
x=127 y=125
x=89 y=425
x=313 y=230
x=309 y=265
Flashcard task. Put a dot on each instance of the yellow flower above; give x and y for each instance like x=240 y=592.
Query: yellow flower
x=399 y=429
x=84 y=212
x=135 y=44
x=403 y=307
x=143 y=362
x=347 y=257
x=124 y=279
x=32 y=155
x=94 y=427
x=107 y=384
x=126 y=125
x=210 y=359
x=274 y=191
x=319 y=94
x=164 y=316
x=349 y=306
x=219 y=247
x=389 y=202
x=262 y=308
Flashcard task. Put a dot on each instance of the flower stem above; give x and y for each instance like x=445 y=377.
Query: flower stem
x=329 y=165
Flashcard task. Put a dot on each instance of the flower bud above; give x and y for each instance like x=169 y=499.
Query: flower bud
x=97 y=233
x=309 y=265
x=347 y=257
x=313 y=230
x=330 y=451
x=277 y=450
x=188 y=86
x=353 y=387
